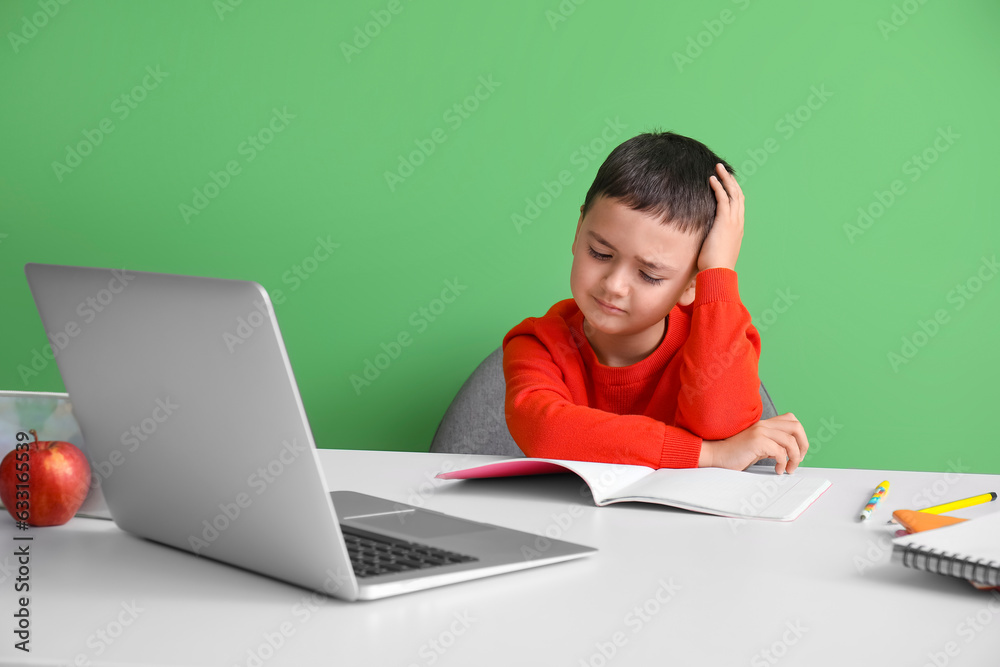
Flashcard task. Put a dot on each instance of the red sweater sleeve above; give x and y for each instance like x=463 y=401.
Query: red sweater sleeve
x=720 y=387
x=545 y=422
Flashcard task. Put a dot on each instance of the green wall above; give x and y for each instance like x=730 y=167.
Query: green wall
x=298 y=116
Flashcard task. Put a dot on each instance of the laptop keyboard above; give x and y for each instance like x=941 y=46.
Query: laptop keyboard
x=372 y=555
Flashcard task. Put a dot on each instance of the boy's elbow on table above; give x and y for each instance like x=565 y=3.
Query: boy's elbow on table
x=726 y=422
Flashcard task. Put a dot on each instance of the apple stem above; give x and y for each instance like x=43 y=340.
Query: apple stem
x=39 y=444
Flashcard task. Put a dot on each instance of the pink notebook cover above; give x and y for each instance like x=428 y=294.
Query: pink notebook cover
x=505 y=469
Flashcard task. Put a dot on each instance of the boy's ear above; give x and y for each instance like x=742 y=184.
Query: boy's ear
x=687 y=296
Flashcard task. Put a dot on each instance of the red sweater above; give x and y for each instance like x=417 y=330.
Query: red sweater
x=700 y=382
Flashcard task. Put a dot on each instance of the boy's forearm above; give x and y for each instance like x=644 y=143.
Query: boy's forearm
x=546 y=425
x=545 y=422
x=720 y=387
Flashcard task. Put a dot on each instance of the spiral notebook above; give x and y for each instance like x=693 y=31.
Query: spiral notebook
x=968 y=550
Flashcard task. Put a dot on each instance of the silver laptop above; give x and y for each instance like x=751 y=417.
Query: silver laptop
x=187 y=402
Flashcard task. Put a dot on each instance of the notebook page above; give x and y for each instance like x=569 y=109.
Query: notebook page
x=760 y=494
x=606 y=479
x=977 y=538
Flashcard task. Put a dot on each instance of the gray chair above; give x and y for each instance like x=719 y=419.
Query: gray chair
x=474 y=423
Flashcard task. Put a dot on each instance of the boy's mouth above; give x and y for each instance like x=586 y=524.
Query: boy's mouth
x=608 y=308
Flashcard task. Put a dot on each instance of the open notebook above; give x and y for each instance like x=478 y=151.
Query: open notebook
x=759 y=494
x=968 y=550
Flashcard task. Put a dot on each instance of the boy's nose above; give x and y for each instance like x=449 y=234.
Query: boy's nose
x=615 y=283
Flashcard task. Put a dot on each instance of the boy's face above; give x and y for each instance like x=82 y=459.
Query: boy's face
x=608 y=249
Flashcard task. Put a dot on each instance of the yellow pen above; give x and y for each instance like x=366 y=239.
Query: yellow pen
x=958 y=504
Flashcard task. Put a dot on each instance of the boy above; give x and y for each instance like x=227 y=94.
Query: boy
x=654 y=360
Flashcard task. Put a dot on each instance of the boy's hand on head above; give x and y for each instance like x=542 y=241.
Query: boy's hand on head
x=722 y=245
x=781 y=438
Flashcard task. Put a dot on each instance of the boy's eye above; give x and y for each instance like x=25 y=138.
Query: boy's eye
x=654 y=281
x=598 y=256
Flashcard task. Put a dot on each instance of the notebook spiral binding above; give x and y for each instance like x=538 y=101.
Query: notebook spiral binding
x=981 y=570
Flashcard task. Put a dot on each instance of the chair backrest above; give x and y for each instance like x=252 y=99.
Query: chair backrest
x=474 y=423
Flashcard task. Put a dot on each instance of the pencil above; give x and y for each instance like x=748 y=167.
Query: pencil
x=879 y=493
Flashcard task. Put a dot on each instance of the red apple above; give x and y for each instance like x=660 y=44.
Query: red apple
x=44 y=483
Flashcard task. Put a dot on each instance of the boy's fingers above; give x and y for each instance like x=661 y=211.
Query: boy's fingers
x=766 y=446
x=789 y=448
x=788 y=423
x=732 y=187
x=801 y=439
x=781 y=461
x=721 y=196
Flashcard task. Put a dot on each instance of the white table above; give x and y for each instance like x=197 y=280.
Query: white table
x=666 y=587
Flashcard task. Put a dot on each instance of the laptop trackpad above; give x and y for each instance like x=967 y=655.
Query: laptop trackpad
x=419 y=524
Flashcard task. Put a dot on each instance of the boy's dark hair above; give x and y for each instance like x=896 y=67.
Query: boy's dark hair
x=665 y=174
